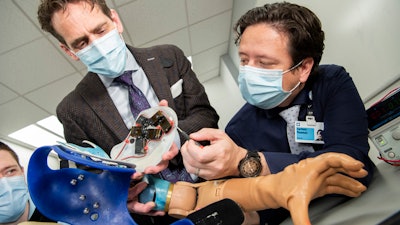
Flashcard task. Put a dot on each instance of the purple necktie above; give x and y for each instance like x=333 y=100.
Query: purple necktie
x=137 y=100
x=175 y=173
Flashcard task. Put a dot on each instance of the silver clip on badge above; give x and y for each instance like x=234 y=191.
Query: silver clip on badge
x=309 y=131
x=311 y=121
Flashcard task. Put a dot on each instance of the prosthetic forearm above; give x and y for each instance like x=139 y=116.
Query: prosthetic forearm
x=294 y=187
x=182 y=198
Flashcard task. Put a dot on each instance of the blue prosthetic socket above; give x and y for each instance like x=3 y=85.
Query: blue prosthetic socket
x=77 y=196
x=158 y=191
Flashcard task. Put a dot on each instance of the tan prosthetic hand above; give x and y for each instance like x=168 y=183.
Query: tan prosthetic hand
x=292 y=188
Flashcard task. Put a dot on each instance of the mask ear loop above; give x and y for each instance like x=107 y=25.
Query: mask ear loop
x=292 y=68
x=120 y=34
x=297 y=85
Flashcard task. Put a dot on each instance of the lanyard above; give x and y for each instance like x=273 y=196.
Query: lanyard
x=310 y=119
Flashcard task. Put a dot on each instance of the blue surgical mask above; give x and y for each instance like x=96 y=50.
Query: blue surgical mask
x=13 y=198
x=106 y=55
x=263 y=87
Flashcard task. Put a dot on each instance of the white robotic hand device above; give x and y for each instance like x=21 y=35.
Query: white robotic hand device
x=151 y=136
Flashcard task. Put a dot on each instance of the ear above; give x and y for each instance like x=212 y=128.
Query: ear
x=305 y=69
x=69 y=52
x=115 y=18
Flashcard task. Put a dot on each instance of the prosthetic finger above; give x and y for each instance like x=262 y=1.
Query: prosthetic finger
x=340 y=161
x=299 y=212
x=344 y=185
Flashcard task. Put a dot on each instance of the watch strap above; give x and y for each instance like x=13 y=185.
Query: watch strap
x=252 y=154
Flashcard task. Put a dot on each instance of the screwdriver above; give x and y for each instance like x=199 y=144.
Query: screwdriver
x=186 y=136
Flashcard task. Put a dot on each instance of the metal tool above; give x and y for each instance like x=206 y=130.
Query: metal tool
x=186 y=136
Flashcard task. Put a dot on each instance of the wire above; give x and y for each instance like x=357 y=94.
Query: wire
x=391 y=162
x=126 y=141
x=390 y=93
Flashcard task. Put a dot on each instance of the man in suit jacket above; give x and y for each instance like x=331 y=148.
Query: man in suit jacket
x=97 y=110
x=88 y=112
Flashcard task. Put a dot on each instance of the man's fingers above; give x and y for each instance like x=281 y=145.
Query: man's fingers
x=140 y=208
x=136 y=190
x=166 y=157
x=137 y=176
x=171 y=153
x=207 y=134
x=163 y=102
x=144 y=209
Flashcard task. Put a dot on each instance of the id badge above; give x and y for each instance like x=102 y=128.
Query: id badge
x=309 y=132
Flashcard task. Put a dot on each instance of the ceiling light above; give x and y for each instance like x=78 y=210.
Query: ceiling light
x=45 y=132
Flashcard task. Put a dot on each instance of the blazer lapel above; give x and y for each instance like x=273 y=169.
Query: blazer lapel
x=100 y=102
x=153 y=67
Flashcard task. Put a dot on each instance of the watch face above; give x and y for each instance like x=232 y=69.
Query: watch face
x=250 y=167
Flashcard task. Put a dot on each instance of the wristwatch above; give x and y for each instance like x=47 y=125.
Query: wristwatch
x=250 y=165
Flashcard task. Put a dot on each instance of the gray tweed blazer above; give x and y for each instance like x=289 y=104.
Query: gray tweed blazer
x=88 y=113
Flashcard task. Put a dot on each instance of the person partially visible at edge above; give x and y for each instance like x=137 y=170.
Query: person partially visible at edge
x=280 y=49
x=15 y=203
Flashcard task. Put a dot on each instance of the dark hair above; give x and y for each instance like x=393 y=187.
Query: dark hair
x=47 y=8
x=301 y=25
x=4 y=147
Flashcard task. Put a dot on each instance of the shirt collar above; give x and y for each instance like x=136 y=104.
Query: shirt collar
x=300 y=99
